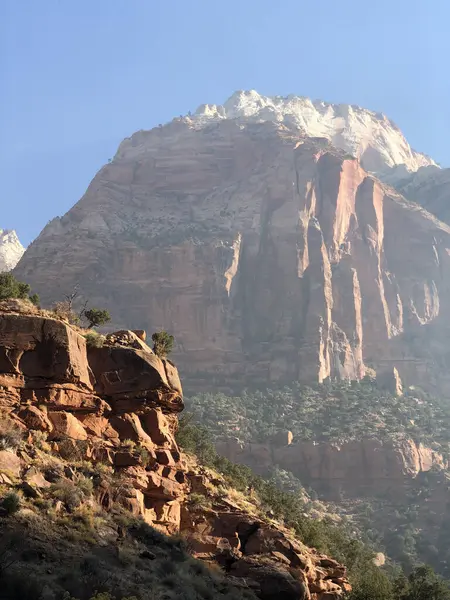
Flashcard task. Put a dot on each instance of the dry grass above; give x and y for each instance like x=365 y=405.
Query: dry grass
x=11 y=435
x=79 y=557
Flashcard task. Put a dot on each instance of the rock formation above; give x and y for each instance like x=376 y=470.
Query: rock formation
x=117 y=404
x=429 y=186
x=356 y=468
x=11 y=250
x=369 y=136
x=273 y=256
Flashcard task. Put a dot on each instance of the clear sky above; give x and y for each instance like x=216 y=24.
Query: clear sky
x=77 y=76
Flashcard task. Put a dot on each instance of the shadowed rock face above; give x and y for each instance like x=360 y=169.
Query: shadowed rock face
x=271 y=256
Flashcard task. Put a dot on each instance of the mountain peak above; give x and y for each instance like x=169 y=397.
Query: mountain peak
x=11 y=249
x=368 y=135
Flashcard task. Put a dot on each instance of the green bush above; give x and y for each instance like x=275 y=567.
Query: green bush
x=423 y=584
x=97 y=317
x=94 y=339
x=10 y=287
x=162 y=343
x=11 y=503
x=73 y=493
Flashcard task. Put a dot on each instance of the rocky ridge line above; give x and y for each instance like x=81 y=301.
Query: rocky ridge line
x=369 y=136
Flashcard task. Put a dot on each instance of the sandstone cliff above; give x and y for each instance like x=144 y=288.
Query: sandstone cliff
x=429 y=186
x=356 y=469
x=271 y=255
x=116 y=406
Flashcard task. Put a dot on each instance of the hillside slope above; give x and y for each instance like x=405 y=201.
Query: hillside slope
x=88 y=455
x=382 y=460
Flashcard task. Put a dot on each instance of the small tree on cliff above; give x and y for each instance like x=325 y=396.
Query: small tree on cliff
x=97 y=317
x=10 y=287
x=162 y=343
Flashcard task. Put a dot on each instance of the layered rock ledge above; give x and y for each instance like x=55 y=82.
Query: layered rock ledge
x=118 y=405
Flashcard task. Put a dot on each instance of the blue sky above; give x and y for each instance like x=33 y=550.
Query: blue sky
x=78 y=76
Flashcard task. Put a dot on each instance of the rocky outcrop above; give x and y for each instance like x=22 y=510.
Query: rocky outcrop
x=355 y=468
x=11 y=250
x=120 y=400
x=117 y=404
x=369 y=136
x=271 y=255
x=276 y=564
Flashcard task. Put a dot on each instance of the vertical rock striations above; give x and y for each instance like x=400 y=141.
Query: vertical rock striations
x=271 y=255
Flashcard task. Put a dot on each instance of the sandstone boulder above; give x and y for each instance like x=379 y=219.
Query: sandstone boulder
x=35 y=419
x=10 y=463
x=129 y=339
x=66 y=425
x=274 y=581
x=164 y=516
x=99 y=426
x=126 y=374
x=158 y=428
x=390 y=380
x=282 y=438
x=141 y=333
x=163 y=488
x=43 y=349
x=36 y=479
x=128 y=427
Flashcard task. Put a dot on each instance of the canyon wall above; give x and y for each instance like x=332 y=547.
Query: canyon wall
x=270 y=255
x=360 y=468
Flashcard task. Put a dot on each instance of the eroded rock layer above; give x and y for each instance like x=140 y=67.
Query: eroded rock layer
x=356 y=468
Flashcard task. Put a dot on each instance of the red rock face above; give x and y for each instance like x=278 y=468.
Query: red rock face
x=357 y=468
x=112 y=399
x=270 y=257
x=125 y=414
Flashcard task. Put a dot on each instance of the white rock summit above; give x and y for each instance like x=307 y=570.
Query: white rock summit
x=11 y=249
x=371 y=137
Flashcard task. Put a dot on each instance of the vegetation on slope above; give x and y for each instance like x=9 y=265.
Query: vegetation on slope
x=43 y=557
x=339 y=412
x=10 y=287
x=370 y=582
x=58 y=542
x=329 y=412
